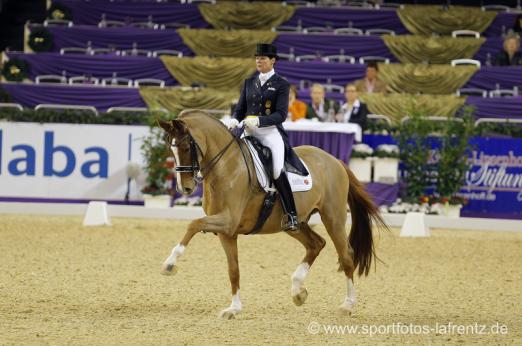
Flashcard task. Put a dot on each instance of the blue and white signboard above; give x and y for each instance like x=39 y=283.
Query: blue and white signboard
x=67 y=162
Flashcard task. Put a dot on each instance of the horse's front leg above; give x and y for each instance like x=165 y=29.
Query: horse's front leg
x=229 y=244
x=215 y=223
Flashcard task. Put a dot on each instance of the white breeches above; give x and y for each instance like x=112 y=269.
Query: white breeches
x=270 y=137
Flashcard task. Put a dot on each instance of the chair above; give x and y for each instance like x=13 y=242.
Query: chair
x=117 y=81
x=307 y=57
x=100 y=51
x=286 y=28
x=471 y=92
x=135 y=52
x=316 y=30
x=333 y=88
x=84 y=80
x=380 y=117
x=145 y=25
x=74 y=50
x=172 y=52
x=379 y=32
x=111 y=24
x=456 y=62
x=149 y=82
x=297 y=3
x=465 y=33
x=213 y=2
x=390 y=5
x=174 y=26
x=128 y=109
x=88 y=109
x=286 y=56
x=50 y=78
x=13 y=106
x=499 y=8
x=339 y=58
x=504 y=92
x=365 y=59
x=348 y=31
x=58 y=22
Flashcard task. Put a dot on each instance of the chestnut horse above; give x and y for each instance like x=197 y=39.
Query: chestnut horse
x=206 y=150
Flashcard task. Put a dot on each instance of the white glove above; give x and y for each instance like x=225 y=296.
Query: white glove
x=251 y=122
x=230 y=123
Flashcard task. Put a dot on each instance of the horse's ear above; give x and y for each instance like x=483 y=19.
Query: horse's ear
x=165 y=125
x=179 y=127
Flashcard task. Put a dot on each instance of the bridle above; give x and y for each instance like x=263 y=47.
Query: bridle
x=199 y=173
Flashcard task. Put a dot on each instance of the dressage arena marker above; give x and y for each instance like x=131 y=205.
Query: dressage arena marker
x=97 y=215
x=415 y=226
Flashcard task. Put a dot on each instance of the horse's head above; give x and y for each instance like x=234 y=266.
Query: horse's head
x=185 y=152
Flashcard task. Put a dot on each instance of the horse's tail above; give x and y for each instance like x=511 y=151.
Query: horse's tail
x=363 y=212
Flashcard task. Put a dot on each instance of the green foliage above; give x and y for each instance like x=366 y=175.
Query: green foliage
x=453 y=154
x=15 y=70
x=40 y=39
x=156 y=152
x=386 y=154
x=58 y=10
x=414 y=147
x=359 y=155
x=495 y=129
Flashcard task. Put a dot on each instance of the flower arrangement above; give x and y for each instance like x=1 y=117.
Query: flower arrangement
x=15 y=70
x=361 y=151
x=387 y=151
x=58 y=10
x=40 y=40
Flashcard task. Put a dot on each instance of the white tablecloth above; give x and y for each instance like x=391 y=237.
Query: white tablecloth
x=315 y=126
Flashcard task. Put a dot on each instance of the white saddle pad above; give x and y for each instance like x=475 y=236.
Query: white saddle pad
x=298 y=183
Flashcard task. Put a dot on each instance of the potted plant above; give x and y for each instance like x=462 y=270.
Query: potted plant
x=453 y=161
x=157 y=192
x=386 y=164
x=360 y=162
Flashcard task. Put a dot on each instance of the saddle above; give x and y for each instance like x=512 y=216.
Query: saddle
x=262 y=158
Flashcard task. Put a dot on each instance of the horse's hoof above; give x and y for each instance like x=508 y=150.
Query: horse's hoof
x=300 y=298
x=169 y=269
x=346 y=308
x=227 y=314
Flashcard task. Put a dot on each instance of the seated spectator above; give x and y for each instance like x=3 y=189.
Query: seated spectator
x=353 y=110
x=296 y=108
x=321 y=108
x=510 y=56
x=517 y=28
x=371 y=83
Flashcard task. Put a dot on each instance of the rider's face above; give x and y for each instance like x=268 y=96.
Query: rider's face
x=264 y=64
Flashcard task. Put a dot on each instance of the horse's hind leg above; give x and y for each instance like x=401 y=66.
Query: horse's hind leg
x=230 y=246
x=313 y=244
x=335 y=226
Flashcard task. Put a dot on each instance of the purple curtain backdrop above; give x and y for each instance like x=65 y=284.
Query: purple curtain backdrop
x=90 y=12
x=489 y=76
x=100 y=66
x=507 y=107
x=120 y=38
x=383 y=194
x=501 y=24
x=330 y=44
x=316 y=71
x=340 y=17
x=30 y=95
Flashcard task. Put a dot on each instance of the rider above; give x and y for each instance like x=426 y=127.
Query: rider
x=263 y=107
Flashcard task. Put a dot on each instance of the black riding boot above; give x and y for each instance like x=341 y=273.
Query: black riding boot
x=287 y=200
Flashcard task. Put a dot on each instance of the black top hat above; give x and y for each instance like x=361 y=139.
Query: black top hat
x=266 y=49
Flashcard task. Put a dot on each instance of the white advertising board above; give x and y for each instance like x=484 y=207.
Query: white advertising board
x=68 y=161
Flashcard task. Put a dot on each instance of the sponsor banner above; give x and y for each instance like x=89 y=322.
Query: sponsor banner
x=68 y=161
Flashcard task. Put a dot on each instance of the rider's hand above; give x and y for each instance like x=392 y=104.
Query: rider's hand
x=230 y=123
x=251 y=122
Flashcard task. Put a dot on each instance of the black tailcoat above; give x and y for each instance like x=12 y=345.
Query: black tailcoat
x=270 y=103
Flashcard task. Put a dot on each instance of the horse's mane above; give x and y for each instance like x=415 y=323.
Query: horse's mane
x=197 y=115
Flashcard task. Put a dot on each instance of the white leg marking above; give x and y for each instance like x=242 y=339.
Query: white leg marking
x=177 y=251
x=350 y=300
x=298 y=277
x=233 y=309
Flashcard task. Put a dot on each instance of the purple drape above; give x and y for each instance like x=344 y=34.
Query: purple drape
x=100 y=66
x=489 y=76
x=492 y=46
x=90 y=12
x=120 y=38
x=508 y=107
x=383 y=194
x=501 y=24
x=330 y=44
x=339 y=73
x=337 y=144
x=30 y=95
x=340 y=17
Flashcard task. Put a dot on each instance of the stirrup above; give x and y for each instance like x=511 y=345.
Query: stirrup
x=289 y=223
